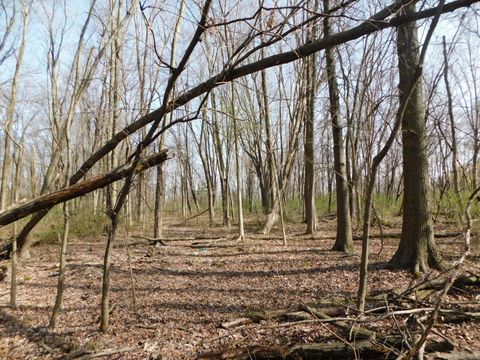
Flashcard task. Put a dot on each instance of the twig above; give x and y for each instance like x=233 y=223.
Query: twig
x=107 y=352
x=193 y=217
x=331 y=331
x=132 y=280
x=46 y=347
x=405 y=339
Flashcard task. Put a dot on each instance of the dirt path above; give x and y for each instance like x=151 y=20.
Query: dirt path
x=184 y=292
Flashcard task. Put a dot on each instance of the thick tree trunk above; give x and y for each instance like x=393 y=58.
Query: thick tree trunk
x=417 y=250
x=344 y=240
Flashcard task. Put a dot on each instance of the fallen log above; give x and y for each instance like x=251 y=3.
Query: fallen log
x=325 y=351
x=387 y=347
x=293 y=314
x=83 y=354
x=352 y=331
x=79 y=189
x=297 y=316
x=425 y=289
x=429 y=288
x=455 y=355
x=258 y=316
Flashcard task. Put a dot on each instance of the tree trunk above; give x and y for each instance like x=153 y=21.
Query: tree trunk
x=309 y=154
x=269 y=188
x=15 y=193
x=6 y=167
x=456 y=182
x=241 y=231
x=417 y=250
x=157 y=217
x=344 y=240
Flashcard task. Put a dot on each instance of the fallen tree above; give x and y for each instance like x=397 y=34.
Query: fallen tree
x=47 y=201
x=363 y=335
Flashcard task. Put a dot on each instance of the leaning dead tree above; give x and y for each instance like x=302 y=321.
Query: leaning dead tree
x=82 y=188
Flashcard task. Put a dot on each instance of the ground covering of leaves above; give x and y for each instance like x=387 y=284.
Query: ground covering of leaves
x=185 y=290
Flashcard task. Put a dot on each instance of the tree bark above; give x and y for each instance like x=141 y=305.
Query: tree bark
x=453 y=146
x=344 y=240
x=309 y=153
x=417 y=250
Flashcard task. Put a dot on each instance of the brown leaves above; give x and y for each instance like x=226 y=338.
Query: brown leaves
x=185 y=293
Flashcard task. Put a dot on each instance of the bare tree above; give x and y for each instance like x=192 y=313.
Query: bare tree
x=344 y=239
x=453 y=145
x=6 y=167
x=6 y=49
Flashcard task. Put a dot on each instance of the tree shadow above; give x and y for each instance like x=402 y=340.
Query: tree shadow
x=12 y=326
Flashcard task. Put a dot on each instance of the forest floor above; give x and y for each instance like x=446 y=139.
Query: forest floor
x=184 y=292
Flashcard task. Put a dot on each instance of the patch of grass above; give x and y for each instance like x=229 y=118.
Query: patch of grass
x=83 y=223
x=386 y=207
x=91 y=346
x=322 y=204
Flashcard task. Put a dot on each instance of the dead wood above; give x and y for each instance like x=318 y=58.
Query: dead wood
x=462 y=282
x=258 y=316
x=298 y=316
x=396 y=235
x=384 y=348
x=47 y=201
x=216 y=242
x=71 y=192
x=294 y=314
x=454 y=355
x=352 y=331
x=237 y=322
x=208 y=237
x=325 y=351
x=427 y=288
x=85 y=355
